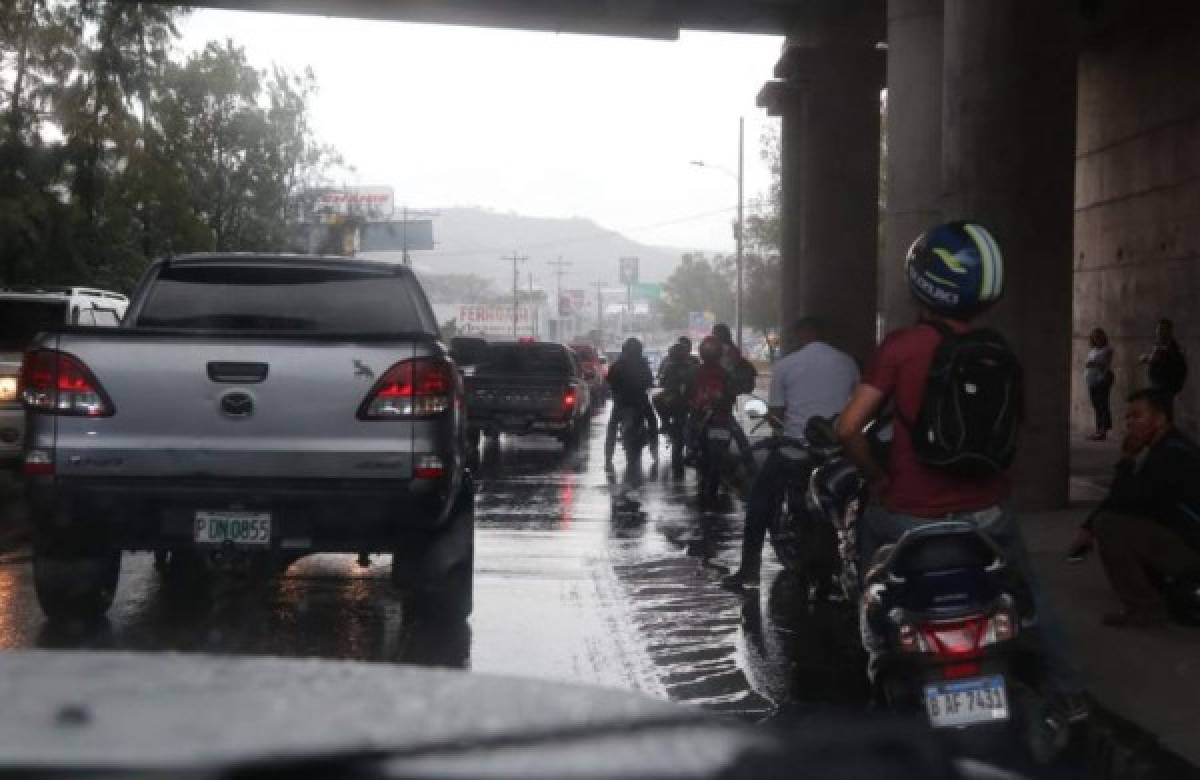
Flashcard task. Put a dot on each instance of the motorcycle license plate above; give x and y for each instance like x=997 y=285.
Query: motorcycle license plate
x=719 y=434
x=965 y=702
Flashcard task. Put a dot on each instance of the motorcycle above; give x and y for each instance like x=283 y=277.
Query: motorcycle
x=804 y=542
x=944 y=620
x=632 y=432
x=709 y=443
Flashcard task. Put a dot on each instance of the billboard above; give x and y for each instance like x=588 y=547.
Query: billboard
x=646 y=291
x=571 y=302
x=490 y=320
x=396 y=236
x=374 y=204
x=629 y=270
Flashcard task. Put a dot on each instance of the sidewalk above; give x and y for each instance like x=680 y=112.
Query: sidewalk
x=1150 y=678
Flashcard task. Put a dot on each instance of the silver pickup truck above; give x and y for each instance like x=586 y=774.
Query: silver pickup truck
x=251 y=407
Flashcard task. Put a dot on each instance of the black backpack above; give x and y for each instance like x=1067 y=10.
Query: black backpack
x=744 y=376
x=973 y=404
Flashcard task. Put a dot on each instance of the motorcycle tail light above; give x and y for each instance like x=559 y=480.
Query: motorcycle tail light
x=910 y=639
x=960 y=638
x=1001 y=627
x=959 y=671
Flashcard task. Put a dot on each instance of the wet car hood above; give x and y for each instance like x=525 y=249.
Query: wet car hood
x=131 y=711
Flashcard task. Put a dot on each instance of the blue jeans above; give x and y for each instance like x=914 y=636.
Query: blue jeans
x=880 y=527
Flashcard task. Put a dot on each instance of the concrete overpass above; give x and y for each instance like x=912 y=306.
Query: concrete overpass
x=1070 y=127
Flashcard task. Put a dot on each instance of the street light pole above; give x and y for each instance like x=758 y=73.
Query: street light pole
x=740 y=224
x=739 y=229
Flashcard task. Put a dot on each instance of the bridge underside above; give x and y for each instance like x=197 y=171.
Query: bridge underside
x=1068 y=127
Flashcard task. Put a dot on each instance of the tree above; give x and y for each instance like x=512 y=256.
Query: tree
x=698 y=285
x=113 y=152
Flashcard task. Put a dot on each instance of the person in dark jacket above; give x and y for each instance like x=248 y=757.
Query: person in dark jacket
x=629 y=379
x=1166 y=366
x=1149 y=524
x=674 y=376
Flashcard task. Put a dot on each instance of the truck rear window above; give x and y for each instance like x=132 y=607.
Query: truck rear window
x=526 y=359
x=21 y=320
x=278 y=298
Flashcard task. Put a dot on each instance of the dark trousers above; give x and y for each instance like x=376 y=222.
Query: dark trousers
x=765 y=496
x=1131 y=547
x=614 y=422
x=1099 y=395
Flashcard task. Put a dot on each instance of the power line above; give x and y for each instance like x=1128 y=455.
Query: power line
x=587 y=236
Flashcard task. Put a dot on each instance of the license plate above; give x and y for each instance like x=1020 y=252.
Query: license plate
x=964 y=702
x=242 y=528
x=720 y=434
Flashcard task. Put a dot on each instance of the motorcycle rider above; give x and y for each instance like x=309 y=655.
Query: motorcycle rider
x=742 y=375
x=629 y=380
x=955 y=271
x=710 y=389
x=815 y=379
x=673 y=377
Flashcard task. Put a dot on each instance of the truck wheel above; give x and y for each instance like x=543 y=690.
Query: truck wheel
x=448 y=600
x=76 y=586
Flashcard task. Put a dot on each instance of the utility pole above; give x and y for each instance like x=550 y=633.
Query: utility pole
x=740 y=224
x=533 y=311
x=600 y=310
x=560 y=267
x=516 y=260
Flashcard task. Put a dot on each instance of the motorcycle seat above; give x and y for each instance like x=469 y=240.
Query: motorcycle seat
x=941 y=547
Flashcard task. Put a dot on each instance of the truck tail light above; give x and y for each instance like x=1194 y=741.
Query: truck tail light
x=59 y=383
x=570 y=398
x=38 y=463
x=429 y=467
x=421 y=387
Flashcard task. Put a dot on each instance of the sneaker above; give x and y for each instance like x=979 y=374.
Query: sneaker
x=739 y=581
x=1135 y=619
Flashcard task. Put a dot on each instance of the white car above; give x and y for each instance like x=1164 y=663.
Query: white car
x=26 y=312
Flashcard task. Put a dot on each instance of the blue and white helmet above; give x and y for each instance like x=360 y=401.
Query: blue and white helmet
x=956 y=269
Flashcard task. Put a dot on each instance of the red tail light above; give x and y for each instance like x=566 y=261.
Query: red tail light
x=959 y=671
x=570 y=398
x=955 y=638
x=421 y=387
x=429 y=467
x=59 y=383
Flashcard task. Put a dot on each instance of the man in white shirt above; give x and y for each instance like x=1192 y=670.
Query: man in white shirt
x=814 y=379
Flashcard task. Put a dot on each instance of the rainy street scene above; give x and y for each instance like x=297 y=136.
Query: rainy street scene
x=661 y=389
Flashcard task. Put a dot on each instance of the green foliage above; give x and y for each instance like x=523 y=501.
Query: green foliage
x=113 y=150
x=697 y=284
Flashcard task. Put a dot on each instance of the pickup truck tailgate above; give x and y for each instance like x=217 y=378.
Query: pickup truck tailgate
x=229 y=407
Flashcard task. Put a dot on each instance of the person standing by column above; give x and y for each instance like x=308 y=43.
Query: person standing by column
x=1166 y=367
x=1099 y=376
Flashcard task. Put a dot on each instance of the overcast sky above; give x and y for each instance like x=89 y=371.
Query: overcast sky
x=533 y=123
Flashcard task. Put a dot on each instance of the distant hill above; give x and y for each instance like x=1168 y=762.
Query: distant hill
x=473 y=240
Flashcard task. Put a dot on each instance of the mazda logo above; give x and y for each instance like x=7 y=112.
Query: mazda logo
x=237 y=405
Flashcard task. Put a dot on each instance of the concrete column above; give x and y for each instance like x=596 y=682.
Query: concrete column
x=828 y=98
x=914 y=146
x=1008 y=140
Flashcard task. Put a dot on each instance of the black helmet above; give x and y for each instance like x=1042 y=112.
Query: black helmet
x=711 y=349
x=722 y=332
x=632 y=347
x=956 y=269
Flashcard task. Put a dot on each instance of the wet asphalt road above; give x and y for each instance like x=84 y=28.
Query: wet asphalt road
x=569 y=585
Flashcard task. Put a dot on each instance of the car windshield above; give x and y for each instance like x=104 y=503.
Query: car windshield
x=21 y=320
x=311 y=316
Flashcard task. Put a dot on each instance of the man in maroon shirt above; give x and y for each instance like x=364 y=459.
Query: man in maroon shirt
x=955 y=271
